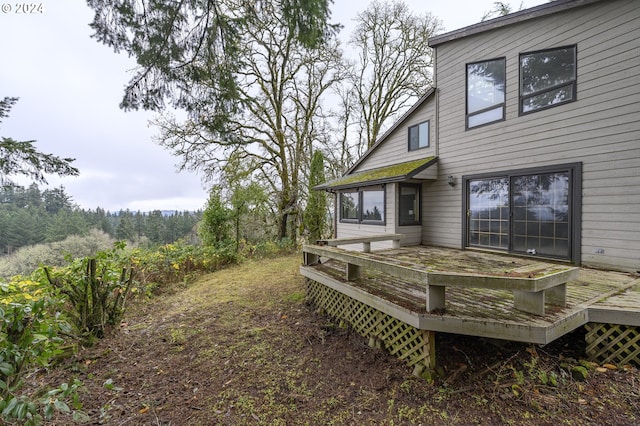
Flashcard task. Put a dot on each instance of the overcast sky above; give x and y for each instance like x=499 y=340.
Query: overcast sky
x=70 y=87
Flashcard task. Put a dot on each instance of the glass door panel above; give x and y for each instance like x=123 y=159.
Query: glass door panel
x=488 y=214
x=540 y=206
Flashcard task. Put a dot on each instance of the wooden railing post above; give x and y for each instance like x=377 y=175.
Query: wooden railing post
x=353 y=272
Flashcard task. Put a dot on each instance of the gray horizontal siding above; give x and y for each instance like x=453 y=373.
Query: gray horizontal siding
x=601 y=129
x=395 y=147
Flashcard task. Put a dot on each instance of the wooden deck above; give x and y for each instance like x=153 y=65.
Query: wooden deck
x=590 y=295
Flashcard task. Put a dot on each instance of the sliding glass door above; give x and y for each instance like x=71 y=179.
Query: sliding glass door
x=528 y=211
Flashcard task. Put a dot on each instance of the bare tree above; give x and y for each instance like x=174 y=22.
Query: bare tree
x=499 y=9
x=394 y=64
x=280 y=86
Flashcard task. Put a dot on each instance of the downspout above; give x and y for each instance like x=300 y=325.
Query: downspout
x=335 y=215
x=437 y=106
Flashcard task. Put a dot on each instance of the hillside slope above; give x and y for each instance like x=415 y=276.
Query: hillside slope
x=240 y=346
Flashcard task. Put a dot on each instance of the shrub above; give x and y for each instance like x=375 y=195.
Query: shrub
x=96 y=288
x=179 y=262
x=29 y=328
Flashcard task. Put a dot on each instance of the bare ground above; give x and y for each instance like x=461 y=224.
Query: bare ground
x=241 y=346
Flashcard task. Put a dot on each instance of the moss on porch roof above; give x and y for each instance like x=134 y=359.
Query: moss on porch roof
x=394 y=173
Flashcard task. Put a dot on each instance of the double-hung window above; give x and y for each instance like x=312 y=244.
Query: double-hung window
x=485 y=92
x=547 y=78
x=419 y=136
x=364 y=206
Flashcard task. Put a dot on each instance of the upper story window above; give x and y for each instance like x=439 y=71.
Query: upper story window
x=485 y=92
x=547 y=78
x=364 y=206
x=419 y=136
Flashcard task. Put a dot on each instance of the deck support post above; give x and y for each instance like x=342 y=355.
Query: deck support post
x=353 y=272
x=426 y=368
x=396 y=244
x=366 y=247
x=557 y=295
x=529 y=301
x=435 y=297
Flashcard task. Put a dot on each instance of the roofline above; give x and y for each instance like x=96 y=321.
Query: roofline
x=512 y=18
x=379 y=181
x=395 y=125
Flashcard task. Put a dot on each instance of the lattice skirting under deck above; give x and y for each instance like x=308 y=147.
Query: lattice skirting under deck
x=414 y=346
x=610 y=343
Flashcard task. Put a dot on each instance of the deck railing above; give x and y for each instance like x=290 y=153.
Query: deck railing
x=365 y=241
x=547 y=283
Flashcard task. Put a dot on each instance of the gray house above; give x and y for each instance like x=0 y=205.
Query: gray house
x=528 y=144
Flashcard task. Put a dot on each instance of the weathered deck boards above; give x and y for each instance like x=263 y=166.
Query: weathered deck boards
x=483 y=312
x=533 y=284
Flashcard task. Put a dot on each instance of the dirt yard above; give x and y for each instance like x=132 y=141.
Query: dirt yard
x=241 y=346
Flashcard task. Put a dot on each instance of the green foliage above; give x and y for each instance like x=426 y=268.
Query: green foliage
x=66 y=222
x=29 y=216
x=189 y=52
x=125 y=230
x=308 y=19
x=315 y=213
x=267 y=248
x=179 y=262
x=214 y=227
x=29 y=336
x=21 y=157
x=96 y=288
x=249 y=212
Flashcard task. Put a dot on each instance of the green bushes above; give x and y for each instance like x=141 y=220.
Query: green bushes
x=29 y=336
x=97 y=290
x=93 y=293
x=178 y=262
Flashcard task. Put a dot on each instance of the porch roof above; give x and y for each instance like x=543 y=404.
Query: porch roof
x=395 y=173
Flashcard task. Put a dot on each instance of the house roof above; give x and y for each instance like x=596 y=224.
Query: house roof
x=395 y=125
x=512 y=18
x=395 y=173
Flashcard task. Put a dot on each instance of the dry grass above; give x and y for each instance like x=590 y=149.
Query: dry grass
x=240 y=346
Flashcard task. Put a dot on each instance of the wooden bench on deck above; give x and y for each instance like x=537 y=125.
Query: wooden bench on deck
x=532 y=286
x=366 y=241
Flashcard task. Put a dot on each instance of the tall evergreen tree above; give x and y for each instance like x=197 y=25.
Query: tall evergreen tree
x=214 y=227
x=316 y=211
x=125 y=230
x=156 y=227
